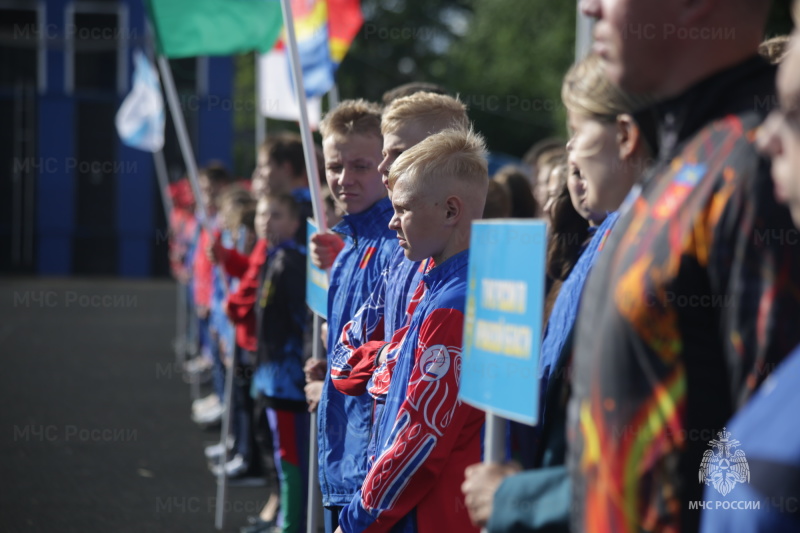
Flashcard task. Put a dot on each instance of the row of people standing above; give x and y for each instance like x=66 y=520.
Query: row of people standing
x=668 y=203
x=245 y=274
x=688 y=233
x=690 y=306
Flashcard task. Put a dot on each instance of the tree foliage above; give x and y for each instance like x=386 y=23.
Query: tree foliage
x=505 y=58
x=509 y=68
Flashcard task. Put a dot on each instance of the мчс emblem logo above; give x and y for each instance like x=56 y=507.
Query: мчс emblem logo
x=721 y=466
x=435 y=362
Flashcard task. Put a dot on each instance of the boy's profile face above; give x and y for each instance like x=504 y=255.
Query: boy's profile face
x=275 y=222
x=418 y=220
x=351 y=169
x=397 y=142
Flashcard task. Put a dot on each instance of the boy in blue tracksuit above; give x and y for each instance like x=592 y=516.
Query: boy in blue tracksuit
x=352 y=143
x=425 y=435
x=405 y=122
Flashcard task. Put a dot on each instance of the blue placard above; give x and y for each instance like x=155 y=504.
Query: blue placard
x=503 y=325
x=316 y=279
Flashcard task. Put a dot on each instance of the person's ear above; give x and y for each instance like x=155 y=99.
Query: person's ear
x=628 y=136
x=454 y=210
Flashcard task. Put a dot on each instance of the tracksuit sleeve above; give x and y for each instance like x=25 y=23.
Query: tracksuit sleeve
x=353 y=379
x=235 y=263
x=366 y=326
x=425 y=430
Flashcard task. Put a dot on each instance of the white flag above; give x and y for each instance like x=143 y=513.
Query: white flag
x=278 y=98
x=140 y=119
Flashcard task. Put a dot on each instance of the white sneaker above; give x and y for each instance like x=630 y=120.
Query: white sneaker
x=211 y=415
x=215 y=450
x=198 y=364
x=202 y=404
x=235 y=467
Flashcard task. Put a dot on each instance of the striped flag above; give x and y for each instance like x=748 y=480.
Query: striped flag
x=311 y=27
x=325 y=29
x=344 y=22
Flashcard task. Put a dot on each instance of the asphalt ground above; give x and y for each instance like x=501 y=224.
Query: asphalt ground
x=95 y=434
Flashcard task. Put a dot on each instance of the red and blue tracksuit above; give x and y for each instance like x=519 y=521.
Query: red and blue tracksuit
x=354 y=369
x=352 y=363
x=345 y=421
x=426 y=436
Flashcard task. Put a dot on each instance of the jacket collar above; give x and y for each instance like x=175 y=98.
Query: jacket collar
x=370 y=223
x=448 y=269
x=738 y=89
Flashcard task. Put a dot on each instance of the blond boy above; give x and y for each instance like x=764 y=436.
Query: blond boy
x=426 y=436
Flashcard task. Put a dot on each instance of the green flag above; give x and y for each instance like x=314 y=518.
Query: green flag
x=187 y=28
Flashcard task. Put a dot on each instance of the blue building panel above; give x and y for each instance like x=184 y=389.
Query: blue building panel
x=215 y=116
x=56 y=185
x=135 y=211
x=134 y=195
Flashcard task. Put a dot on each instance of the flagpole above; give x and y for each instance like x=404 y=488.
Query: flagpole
x=183 y=139
x=314 y=496
x=158 y=155
x=186 y=149
x=222 y=475
x=261 y=123
x=191 y=167
x=163 y=183
x=191 y=170
x=166 y=201
x=305 y=127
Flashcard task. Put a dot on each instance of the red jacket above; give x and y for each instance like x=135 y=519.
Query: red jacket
x=202 y=271
x=241 y=304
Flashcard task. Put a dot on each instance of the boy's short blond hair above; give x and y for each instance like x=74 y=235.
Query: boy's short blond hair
x=407 y=89
x=434 y=111
x=456 y=154
x=352 y=117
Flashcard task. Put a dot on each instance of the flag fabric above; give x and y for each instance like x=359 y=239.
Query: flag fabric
x=140 y=119
x=324 y=29
x=311 y=29
x=344 y=22
x=188 y=28
x=278 y=99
